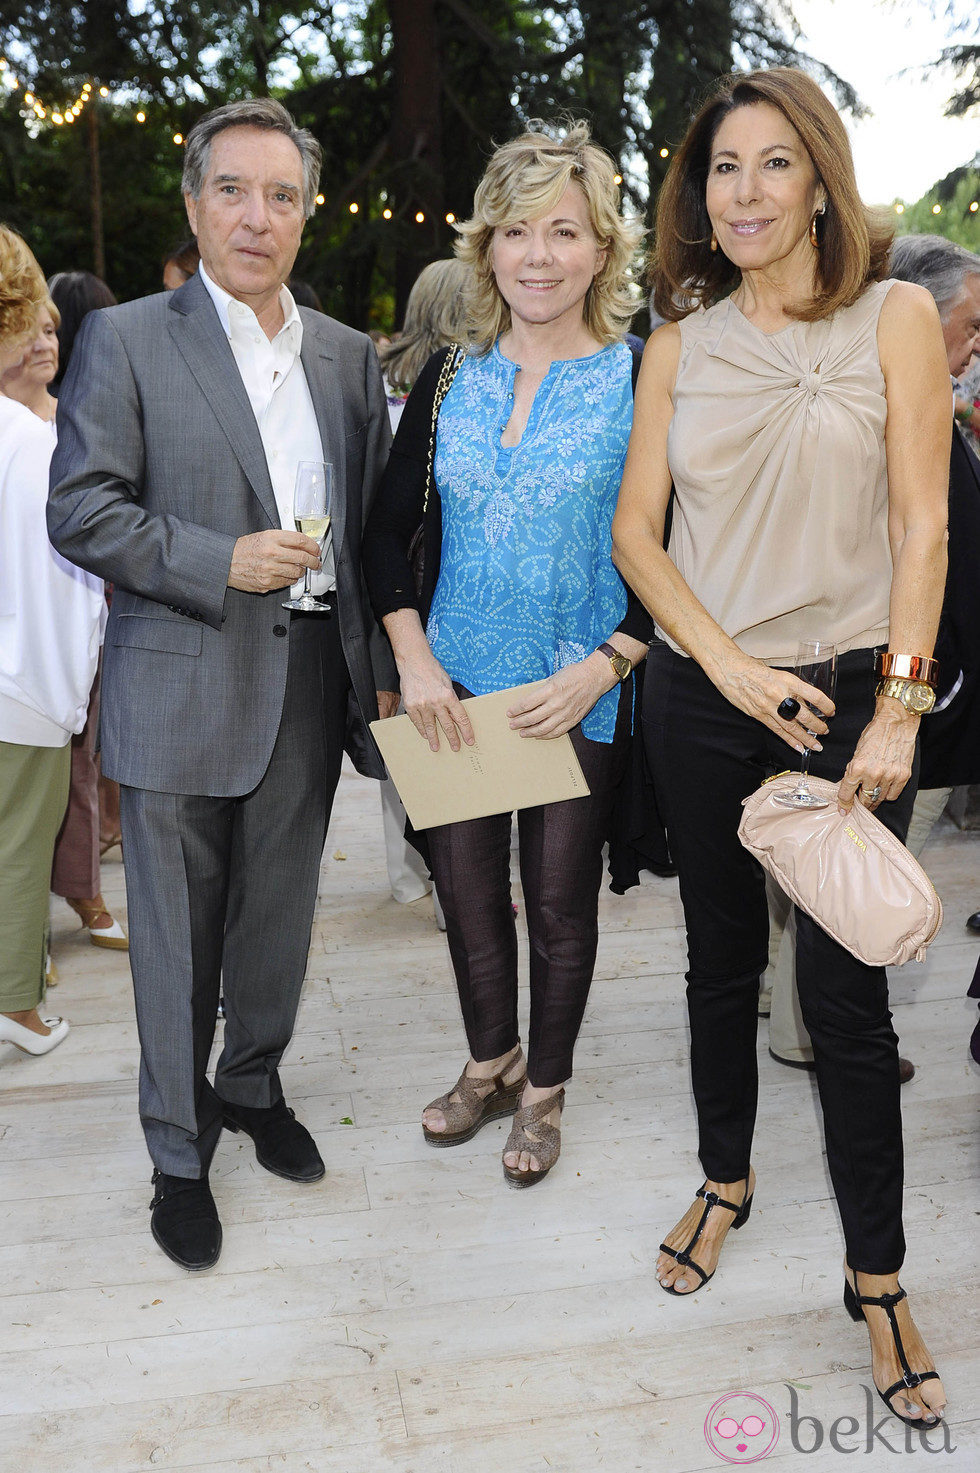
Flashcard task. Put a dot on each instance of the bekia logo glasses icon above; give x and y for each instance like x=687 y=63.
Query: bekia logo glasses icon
x=741 y=1428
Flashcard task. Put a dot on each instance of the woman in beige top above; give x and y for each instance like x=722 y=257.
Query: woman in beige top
x=803 y=421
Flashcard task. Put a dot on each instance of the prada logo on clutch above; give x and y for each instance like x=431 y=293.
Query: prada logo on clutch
x=855 y=838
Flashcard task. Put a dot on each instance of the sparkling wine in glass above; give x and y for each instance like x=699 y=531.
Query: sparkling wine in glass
x=816 y=663
x=312 y=496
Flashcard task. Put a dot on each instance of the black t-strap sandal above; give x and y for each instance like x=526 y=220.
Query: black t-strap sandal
x=683 y=1255
x=854 y=1304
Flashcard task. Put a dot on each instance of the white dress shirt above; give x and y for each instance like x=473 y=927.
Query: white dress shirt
x=275 y=382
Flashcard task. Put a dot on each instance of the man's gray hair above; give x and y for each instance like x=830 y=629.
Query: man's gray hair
x=938 y=264
x=252 y=112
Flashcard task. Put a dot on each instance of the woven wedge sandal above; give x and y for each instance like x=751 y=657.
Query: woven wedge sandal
x=113 y=937
x=479 y=1101
x=544 y=1145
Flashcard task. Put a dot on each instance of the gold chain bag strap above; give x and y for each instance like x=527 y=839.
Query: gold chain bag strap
x=847 y=871
x=416 y=548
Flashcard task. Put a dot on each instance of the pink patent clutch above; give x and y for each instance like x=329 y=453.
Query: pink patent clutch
x=847 y=871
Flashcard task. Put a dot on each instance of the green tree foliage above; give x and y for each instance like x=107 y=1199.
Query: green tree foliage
x=961 y=58
x=954 y=195
x=406 y=96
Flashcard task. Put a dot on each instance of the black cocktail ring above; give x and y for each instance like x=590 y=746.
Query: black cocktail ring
x=788 y=709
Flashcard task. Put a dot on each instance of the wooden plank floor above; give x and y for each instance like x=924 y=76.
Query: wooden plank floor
x=409 y=1314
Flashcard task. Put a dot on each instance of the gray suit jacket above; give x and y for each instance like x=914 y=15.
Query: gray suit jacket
x=159 y=469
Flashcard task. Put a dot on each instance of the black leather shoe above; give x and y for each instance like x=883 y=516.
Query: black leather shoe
x=906 y=1069
x=973 y=922
x=282 y=1145
x=184 y=1220
x=806 y=1064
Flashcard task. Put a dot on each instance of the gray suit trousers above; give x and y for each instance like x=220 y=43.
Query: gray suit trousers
x=221 y=895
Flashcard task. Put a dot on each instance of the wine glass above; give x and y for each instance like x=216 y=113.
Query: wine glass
x=312 y=497
x=816 y=663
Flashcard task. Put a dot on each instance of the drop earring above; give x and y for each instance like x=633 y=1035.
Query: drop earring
x=714 y=241
x=814 y=240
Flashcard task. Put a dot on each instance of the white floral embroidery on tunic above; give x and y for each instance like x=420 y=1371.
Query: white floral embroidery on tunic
x=526 y=582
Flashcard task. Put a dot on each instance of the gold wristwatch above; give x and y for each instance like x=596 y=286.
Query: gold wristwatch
x=622 y=664
x=915 y=695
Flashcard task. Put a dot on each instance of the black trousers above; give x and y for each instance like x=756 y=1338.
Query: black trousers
x=707 y=756
x=222 y=892
x=561 y=870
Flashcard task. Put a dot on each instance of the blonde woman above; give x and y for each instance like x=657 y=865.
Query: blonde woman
x=51 y=618
x=76 y=873
x=797 y=402
x=519 y=586
x=27 y=382
x=435 y=315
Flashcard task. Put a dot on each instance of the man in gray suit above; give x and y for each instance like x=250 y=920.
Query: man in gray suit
x=181 y=423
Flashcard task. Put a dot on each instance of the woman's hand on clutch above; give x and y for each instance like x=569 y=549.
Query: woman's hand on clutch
x=883 y=757
x=560 y=702
x=431 y=702
x=758 y=689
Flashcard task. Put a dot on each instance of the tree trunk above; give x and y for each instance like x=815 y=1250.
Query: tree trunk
x=416 y=141
x=95 y=191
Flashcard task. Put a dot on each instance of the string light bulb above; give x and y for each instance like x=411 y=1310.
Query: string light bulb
x=450 y=218
x=386 y=214
x=974 y=206
x=178 y=139
x=353 y=207
x=665 y=153
x=141 y=117
x=900 y=209
x=937 y=209
x=419 y=218
x=617 y=178
x=320 y=199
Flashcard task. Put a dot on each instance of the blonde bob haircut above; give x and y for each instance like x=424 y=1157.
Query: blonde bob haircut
x=853 y=243
x=435 y=316
x=523 y=181
x=23 y=290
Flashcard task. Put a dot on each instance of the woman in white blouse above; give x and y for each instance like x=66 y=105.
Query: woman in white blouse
x=76 y=874
x=51 y=619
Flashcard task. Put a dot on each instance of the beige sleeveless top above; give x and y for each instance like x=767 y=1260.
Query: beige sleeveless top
x=777 y=452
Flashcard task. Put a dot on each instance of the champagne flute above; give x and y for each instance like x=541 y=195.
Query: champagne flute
x=312 y=497
x=816 y=663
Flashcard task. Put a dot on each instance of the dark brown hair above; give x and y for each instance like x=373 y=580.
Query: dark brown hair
x=186 y=257
x=853 y=242
x=75 y=293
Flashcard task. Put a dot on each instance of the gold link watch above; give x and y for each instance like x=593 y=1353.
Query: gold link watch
x=914 y=695
x=622 y=664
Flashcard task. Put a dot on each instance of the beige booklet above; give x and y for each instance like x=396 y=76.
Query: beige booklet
x=500 y=772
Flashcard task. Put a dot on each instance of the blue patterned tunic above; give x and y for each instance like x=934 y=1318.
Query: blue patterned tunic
x=526 y=581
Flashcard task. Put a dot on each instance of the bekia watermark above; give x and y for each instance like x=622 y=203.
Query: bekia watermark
x=742 y=1428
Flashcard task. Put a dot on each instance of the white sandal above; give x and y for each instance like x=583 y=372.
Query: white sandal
x=113 y=937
